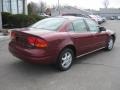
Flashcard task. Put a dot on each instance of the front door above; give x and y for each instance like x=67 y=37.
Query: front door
x=83 y=39
x=100 y=38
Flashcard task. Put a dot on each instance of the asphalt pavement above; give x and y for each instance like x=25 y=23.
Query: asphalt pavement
x=97 y=71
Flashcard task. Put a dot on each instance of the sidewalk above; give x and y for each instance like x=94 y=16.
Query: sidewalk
x=2 y=37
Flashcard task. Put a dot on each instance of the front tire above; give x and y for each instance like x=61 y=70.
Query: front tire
x=65 y=59
x=110 y=44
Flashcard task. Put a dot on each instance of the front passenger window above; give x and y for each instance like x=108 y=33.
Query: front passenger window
x=93 y=27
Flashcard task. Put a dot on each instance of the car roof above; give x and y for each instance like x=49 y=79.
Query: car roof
x=74 y=14
x=71 y=18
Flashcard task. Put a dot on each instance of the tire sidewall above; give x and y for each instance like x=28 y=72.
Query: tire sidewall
x=111 y=38
x=59 y=61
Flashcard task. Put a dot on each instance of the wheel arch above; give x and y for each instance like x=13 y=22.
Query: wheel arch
x=70 y=46
x=113 y=36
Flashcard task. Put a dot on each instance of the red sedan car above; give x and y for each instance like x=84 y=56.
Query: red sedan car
x=60 y=40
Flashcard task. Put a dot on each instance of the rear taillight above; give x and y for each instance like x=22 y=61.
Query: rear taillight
x=37 y=42
x=13 y=35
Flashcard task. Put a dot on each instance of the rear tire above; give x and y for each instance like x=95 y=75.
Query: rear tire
x=65 y=59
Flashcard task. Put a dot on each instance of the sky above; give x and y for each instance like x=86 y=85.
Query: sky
x=83 y=4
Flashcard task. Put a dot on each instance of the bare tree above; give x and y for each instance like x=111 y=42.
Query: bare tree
x=37 y=8
x=106 y=3
x=48 y=11
x=42 y=7
x=32 y=8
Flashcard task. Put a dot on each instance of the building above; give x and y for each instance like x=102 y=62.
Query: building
x=68 y=9
x=95 y=12
x=109 y=12
x=13 y=6
x=106 y=12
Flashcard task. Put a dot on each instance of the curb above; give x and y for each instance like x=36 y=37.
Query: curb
x=4 y=38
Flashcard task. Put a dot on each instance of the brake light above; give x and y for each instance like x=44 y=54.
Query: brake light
x=37 y=42
x=31 y=40
x=13 y=35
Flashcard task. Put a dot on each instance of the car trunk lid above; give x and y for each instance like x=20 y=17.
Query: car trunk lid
x=21 y=35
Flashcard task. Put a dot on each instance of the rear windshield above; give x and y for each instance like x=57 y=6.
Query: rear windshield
x=49 y=24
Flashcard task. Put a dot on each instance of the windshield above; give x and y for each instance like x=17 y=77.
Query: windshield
x=49 y=23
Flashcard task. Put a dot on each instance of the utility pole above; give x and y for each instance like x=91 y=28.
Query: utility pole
x=25 y=9
x=0 y=15
x=59 y=7
x=0 y=21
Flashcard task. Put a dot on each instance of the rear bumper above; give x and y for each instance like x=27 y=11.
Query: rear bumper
x=31 y=56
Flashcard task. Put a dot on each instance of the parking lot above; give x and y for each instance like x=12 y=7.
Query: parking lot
x=97 y=71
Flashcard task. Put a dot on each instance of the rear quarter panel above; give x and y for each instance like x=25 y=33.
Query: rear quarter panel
x=56 y=42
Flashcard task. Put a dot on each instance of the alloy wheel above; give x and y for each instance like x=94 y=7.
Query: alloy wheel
x=66 y=60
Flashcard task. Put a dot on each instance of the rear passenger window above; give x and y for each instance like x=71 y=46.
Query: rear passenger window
x=79 y=26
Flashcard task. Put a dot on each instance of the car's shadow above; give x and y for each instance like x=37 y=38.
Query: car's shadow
x=27 y=70
x=33 y=69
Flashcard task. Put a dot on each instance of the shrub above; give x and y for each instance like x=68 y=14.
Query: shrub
x=6 y=18
x=18 y=20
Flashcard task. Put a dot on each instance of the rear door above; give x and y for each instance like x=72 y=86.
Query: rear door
x=100 y=38
x=82 y=38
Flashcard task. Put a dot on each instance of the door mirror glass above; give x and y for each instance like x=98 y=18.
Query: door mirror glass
x=102 y=29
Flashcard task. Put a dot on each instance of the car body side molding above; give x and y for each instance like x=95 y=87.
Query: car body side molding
x=89 y=52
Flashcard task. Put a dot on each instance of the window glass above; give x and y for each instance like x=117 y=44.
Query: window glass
x=79 y=26
x=6 y=5
x=49 y=23
x=93 y=27
x=20 y=5
x=70 y=27
x=14 y=6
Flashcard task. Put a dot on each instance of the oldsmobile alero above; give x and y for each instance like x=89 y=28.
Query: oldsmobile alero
x=59 y=40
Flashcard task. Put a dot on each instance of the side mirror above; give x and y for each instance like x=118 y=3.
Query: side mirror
x=102 y=29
